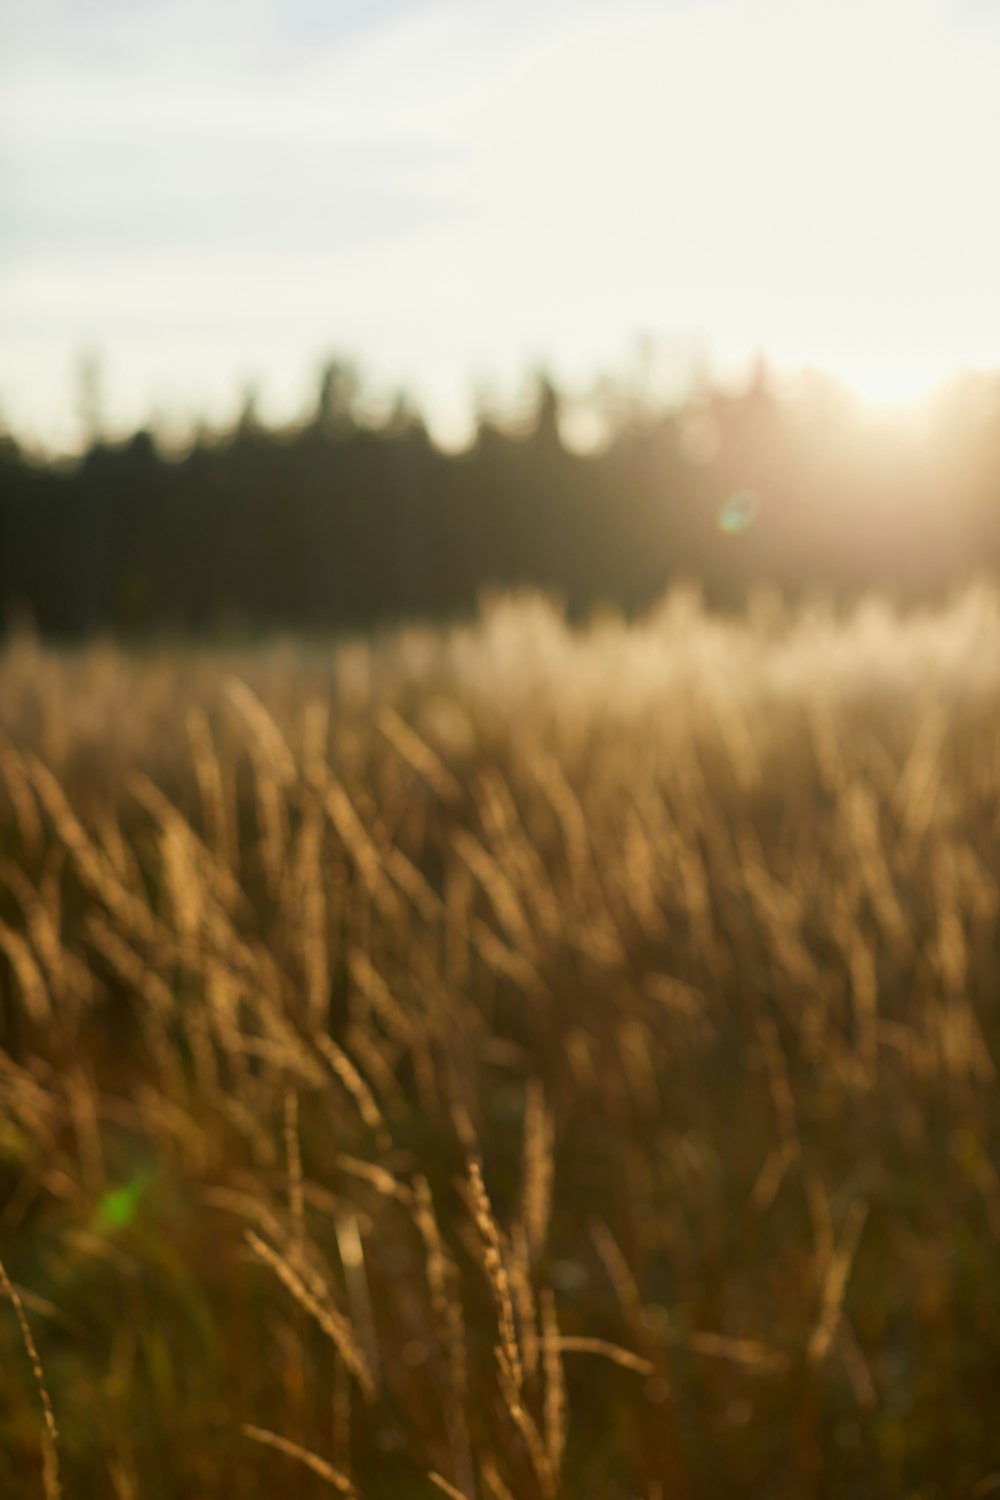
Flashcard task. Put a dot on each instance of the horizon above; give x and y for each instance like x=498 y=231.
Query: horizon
x=593 y=413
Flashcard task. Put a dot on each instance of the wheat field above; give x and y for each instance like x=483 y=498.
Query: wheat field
x=504 y=1061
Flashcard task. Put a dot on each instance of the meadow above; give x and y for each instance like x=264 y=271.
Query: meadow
x=505 y=1061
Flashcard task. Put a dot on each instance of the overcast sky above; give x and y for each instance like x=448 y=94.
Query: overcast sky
x=208 y=192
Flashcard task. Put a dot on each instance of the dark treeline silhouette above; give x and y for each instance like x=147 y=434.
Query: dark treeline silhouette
x=339 y=522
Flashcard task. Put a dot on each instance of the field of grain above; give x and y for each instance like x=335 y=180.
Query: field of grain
x=505 y=1062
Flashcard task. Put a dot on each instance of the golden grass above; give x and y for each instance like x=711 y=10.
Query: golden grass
x=505 y=1062
x=50 y=1433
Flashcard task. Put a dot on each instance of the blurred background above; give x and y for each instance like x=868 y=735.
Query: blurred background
x=318 y=315
x=423 y=954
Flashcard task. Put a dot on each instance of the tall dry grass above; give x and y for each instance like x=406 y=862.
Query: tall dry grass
x=505 y=1062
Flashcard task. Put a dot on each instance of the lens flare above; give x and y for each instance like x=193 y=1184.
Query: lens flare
x=117 y=1208
x=738 y=512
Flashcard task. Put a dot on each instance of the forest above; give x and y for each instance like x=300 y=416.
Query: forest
x=342 y=521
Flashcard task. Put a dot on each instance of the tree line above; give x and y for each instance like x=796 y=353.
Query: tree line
x=338 y=521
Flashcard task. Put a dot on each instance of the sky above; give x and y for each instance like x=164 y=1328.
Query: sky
x=207 y=194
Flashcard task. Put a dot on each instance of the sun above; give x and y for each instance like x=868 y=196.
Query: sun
x=890 y=384
x=884 y=385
